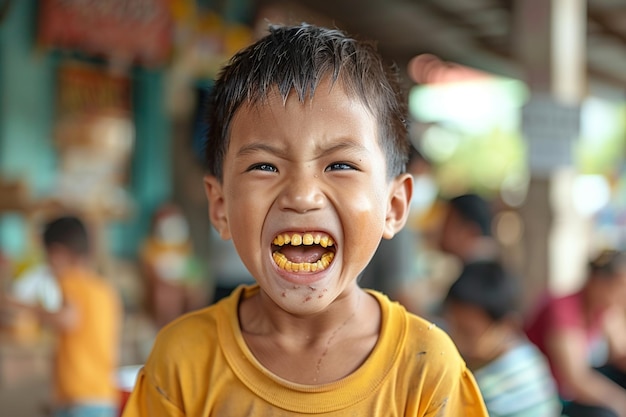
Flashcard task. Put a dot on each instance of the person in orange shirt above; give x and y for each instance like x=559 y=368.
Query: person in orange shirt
x=170 y=268
x=87 y=325
x=307 y=153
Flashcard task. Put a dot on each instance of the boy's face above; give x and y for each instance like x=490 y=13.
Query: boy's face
x=613 y=289
x=314 y=172
x=454 y=232
x=58 y=258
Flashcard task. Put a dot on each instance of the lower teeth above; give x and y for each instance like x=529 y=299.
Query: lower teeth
x=289 y=266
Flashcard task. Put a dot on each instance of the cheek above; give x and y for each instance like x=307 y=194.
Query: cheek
x=245 y=218
x=618 y=294
x=363 y=223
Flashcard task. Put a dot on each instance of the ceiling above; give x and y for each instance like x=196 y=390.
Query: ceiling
x=476 y=33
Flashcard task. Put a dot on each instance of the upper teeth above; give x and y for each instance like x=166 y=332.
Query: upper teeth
x=297 y=239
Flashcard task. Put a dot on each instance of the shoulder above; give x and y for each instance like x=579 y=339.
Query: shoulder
x=183 y=351
x=418 y=338
x=558 y=310
x=569 y=300
x=567 y=310
x=434 y=345
x=191 y=330
x=448 y=386
x=85 y=282
x=521 y=365
x=193 y=350
x=196 y=335
x=520 y=379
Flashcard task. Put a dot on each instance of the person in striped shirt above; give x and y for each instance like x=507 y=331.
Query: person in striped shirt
x=481 y=314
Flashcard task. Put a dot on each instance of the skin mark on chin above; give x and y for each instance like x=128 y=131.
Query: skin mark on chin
x=313 y=291
x=306 y=299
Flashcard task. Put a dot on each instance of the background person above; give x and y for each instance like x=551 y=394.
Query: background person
x=481 y=312
x=574 y=332
x=172 y=273
x=466 y=229
x=87 y=325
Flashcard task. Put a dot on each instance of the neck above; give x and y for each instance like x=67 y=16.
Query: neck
x=64 y=269
x=508 y=341
x=261 y=315
x=315 y=348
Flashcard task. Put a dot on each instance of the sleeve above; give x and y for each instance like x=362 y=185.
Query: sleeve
x=461 y=399
x=449 y=387
x=147 y=400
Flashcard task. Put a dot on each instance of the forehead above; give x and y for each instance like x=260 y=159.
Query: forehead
x=330 y=105
x=326 y=89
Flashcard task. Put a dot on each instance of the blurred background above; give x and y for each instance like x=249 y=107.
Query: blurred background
x=519 y=101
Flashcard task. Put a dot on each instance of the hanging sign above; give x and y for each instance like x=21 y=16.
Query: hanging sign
x=89 y=89
x=127 y=30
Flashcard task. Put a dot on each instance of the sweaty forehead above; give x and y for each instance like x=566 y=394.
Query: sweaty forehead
x=326 y=98
x=274 y=93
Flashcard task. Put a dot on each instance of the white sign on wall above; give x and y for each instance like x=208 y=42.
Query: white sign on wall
x=550 y=129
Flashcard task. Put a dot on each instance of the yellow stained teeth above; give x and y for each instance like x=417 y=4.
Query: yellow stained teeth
x=308 y=239
x=280 y=261
x=325 y=260
x=283 y=263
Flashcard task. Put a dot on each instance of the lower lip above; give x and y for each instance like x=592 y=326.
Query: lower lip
x=305 y=278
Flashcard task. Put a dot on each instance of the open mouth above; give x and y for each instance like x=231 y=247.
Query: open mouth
x=303 y=252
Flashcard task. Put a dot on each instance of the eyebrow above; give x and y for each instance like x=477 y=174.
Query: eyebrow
x=256 y=147
x=347 y=145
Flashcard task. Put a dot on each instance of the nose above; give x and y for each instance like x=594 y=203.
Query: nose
x=301 y=193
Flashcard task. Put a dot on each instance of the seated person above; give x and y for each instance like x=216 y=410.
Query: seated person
x=574 y=330
x=512 y=374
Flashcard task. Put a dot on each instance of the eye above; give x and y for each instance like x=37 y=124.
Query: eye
x=339 y=166
x=263 y=167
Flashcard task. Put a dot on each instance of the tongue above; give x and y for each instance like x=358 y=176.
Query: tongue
x=300 y=254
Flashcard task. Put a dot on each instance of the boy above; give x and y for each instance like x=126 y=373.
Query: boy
x=306 y=154
x=87 y=325
x=513 y=375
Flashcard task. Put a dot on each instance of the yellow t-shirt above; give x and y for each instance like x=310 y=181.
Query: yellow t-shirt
x=87 y=355
x=201 y=366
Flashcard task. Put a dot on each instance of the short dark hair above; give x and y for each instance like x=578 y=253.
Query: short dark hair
x=608 y=262
x=475 y=209
x=296 y=58
x=69 y=232
x=488 y=286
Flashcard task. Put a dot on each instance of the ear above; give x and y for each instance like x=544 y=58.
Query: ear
x=217 y=207
x=398 y=205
